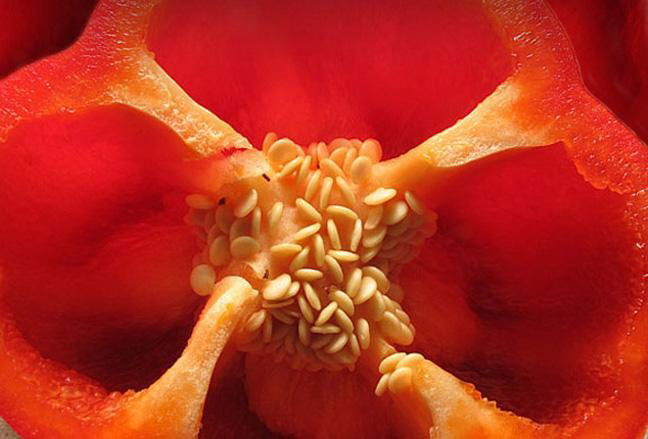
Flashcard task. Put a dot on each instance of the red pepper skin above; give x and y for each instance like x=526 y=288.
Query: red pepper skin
x=108 y=82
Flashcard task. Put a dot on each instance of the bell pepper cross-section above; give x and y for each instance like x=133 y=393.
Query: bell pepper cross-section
x=322 y=219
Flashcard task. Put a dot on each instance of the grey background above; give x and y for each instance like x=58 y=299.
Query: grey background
x=6 y=432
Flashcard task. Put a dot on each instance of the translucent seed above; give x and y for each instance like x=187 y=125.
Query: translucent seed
x=209 y=220
x=343 y=255
x=268 y=140
x=199 y=201
x=325 y=329
x=307 y=209
x=356 y=235
x=325 y=193
x=267 y=329
x=285 y=250
x=256 y=223
x=343 y=300
x=202 y=279
x=321 y=340
x=375 y=307
x=368 y=288
x=370 y=253
x=282 y=151
x=343 y=321
x=238 y=228
x=395 y=212
x=308 y=274
x=349 y=158
x=414 y=203
x=219 y=253
x=341 y=212
x=306 y=232
x=372 y=149
x=300 y=260
x=313 y=184
x=333 y=234
x=361 y=169
x=275 y=215
x=246 y=204
x=223 y=218
x=304 y=168
x=373 y=217
x=290 y=167
x=381 y=387
x=400 y=380
x=281 y=304
x=326 y=314
x=318 y=250
x=374 y=237
x=306 y=310
x=334 y=268
x=303 y=330
x=255 y=321
x=311 y=296
x=277 y=288
x=329 y=167
x=337 y=344
x=345 y=190
x=379 y=276
x=400 y=228
x=380 y=196
x=354 y=282
x=244 y=246
x=362 y=331
x=282 y=316
x=388 y=364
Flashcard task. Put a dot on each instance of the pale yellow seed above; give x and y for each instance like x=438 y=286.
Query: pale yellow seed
x=290 y=167
x=357 y=143
x=326 y=314
x=374 y=237
x=275 y=215
x=333 y=234
x=307 y=232
x=363 y=333
x=308 y=274
x=410 y=360
x=282 y=151
x=343 y=300
x=395 y=212
x=343 y=320
x=375 y=307
x=345 y=190
x=334 y=268
x=305 y=309
x=307 y=209
x=339 y=142
x=267 y=329
x=202 y=279
x=400 y=380
x=353 y=282
x=304 y=169
x=239 y=227
x=277 y=288
x=356 y=235
x=325 y=329
x=303 y=330
x=281 y=304
x=338 y=155
x=313 y=184
x=388 y=364
x=311 y=296
x=244 y=246
x=349 y=158
x=343 y=255
x=268 y=140
x=374 y=217
x=322 y=151
x=318 y=250
x=354 y=345
x=246 y=204
x=372 y=149
x=368 y=288
x=361 y=169
x=300 y=260
x=199 y=201
x=293 y=290
x=255 y=321
x=338 y=343
x=370 y=253
x=325 y=193
x=380 y=196
x=219 y=253
x=329 y=167
x=402 y=316
x=285 y=250
x=321 y=340
x=341 y=212
x=381 y=387
x=256 y=223
x=392 y=327
x=223 y=218
x=378 y=275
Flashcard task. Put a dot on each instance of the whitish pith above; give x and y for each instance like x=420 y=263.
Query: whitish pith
x=327 y=240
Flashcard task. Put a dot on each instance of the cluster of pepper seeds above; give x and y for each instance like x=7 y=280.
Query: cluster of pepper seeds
x=329 y=282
